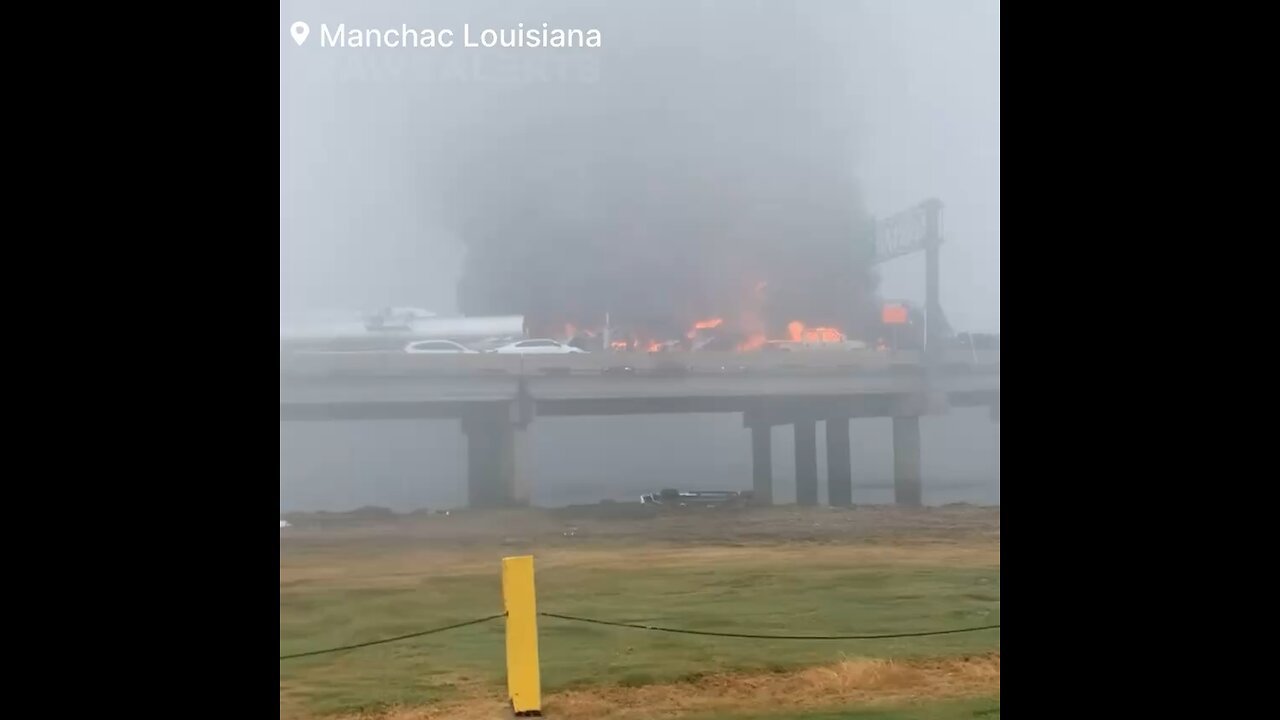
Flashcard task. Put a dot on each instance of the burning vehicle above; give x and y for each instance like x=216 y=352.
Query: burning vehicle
x=900 y=327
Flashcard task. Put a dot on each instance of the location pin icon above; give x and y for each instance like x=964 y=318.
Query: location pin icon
x=300 y=31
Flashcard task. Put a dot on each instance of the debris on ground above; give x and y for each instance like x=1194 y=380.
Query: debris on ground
x=698 y=498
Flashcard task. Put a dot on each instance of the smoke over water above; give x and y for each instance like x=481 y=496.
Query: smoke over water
x=707 y=170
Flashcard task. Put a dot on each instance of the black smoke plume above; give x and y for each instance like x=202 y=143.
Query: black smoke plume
x=707 y=170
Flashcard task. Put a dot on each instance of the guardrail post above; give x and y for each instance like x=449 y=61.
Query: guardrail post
x=524 y=678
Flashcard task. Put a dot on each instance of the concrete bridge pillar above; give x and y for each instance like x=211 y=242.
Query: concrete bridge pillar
x=806 y=462
x=762 y=464
x=497 y=458
x=839 y=463
x=906 y=461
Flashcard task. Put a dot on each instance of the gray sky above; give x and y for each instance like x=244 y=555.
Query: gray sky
x=367 y=217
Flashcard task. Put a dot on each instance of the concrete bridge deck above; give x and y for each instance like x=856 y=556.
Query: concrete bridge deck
x=497 y=396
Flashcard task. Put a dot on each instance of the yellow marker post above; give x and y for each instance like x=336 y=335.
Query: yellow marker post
x=524 y=679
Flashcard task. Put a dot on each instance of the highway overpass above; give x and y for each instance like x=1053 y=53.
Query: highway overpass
x=496 y=398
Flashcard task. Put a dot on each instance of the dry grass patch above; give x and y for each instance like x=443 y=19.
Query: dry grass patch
x=848 y=683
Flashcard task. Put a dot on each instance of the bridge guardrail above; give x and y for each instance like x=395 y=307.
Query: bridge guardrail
x=971 y=358
x=398 y=363
x=594 y=363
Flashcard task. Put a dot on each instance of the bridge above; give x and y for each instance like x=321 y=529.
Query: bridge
x=497 y=397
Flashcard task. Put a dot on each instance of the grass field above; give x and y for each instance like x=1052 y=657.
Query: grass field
x=820 y=571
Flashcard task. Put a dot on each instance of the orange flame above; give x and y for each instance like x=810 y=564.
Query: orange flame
x=823 y=334
x=655 y=346
x=798 y=332
x=754 y=342
x=707 y=324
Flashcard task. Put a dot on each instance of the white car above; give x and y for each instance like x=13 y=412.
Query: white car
x=435 y=347
x=539 y=346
